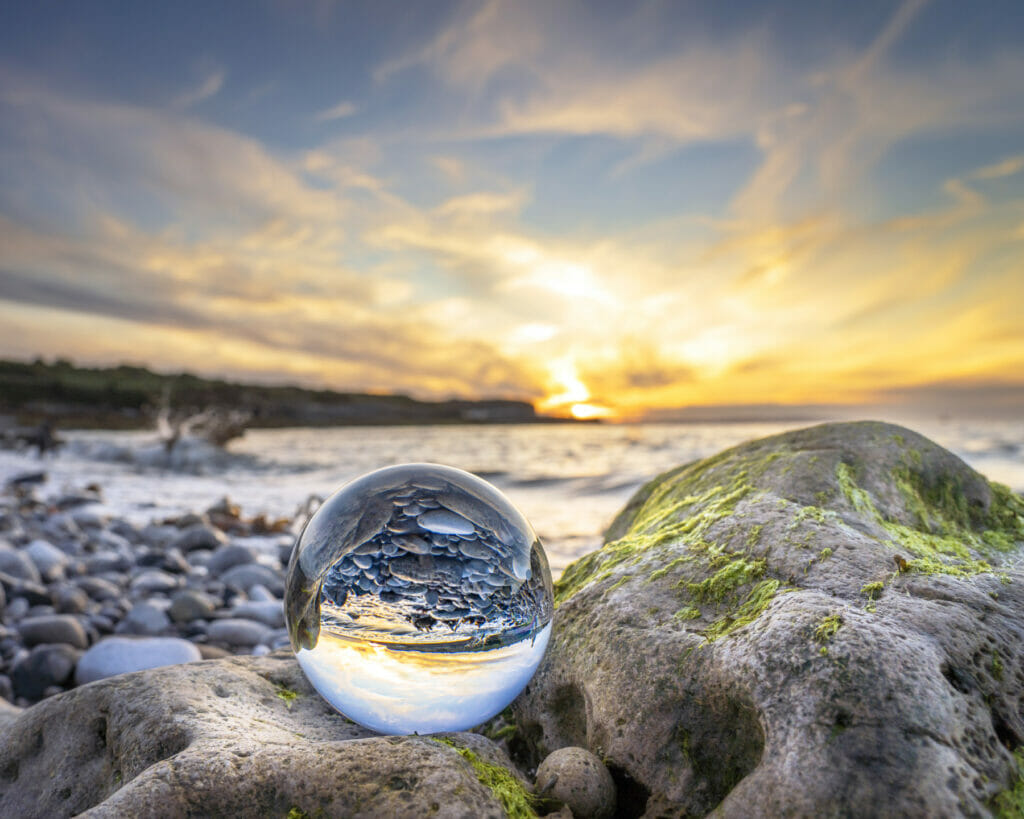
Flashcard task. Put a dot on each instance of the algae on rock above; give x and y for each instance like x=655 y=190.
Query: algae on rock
x=748 y=639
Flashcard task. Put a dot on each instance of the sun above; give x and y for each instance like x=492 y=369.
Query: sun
x=589 y=412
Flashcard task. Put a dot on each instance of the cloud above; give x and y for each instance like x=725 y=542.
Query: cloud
x=208 y=86
x=1007 y=167
x=340 y=111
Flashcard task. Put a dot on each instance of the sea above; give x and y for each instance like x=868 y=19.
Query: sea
x=568 y=479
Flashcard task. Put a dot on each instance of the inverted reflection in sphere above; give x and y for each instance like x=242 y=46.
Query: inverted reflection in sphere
x=419 y=600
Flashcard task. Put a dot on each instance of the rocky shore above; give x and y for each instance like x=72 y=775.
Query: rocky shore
x=86 y=596
x=828 y=622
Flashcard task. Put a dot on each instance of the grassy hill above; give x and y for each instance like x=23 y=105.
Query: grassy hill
x=129 y=396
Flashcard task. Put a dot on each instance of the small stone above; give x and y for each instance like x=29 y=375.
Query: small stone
x=579 y=779
x=121 y=655
x=237 y=632
x=70 y=600
x=199 y=536
x=251 y=574
x=44 y=666
x=53 y=628
x=18 y=564
x=445 y=522
x=98 y=588
x=189 y=605
x=154 y=581
x=229 y=556
x=49 y=560
x=260 y=592
x=268 y=612
x=144 y=618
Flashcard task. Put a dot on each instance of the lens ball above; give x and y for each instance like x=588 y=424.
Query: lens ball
x=419 y=599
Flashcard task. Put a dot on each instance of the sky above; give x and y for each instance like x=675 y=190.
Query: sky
x=603 y=208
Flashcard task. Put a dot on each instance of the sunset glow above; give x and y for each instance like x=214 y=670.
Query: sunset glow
x=604 y=213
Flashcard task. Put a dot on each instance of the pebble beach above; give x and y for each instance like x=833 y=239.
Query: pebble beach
x=86 y=595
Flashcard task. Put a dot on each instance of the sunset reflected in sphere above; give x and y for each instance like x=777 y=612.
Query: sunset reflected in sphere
x=419 y=599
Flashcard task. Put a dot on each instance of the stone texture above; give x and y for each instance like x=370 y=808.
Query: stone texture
x=578 y=779
x=828 y=622
x=244 y=736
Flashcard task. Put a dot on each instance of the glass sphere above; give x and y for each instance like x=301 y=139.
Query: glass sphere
x=418 y=600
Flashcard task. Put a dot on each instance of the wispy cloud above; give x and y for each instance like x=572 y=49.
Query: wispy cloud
x=208 y=86
x=340 y=111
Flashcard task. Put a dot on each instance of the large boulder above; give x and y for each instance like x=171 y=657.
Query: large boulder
x=828 y=622
x=242 y=736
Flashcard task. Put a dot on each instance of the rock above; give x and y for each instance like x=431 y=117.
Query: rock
x=198 y=536
x=261 y=593
x=121 y=655
x=98 y=588
x=69 y=599
x=270 y=613
x=48 y=559
x=190 y=605
x=213 y=652
x=237 y=736
x=53 y=628
x=249 y=575
x=43 y=667
x=238 y=632
x=227 y=557
x=16 y=588
x=579 y=779
x=144 y=618
x=33 y=478
x=17 y=564
x=154 y=581
x=818 y=623
x=107 y=561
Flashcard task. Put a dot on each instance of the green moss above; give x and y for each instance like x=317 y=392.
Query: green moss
x=756 y=602
x=509 y=791
x=727 y=580
x=943 y=542
x=997 y=667
x=287 y=695
x=1010 y=803
x=688 y=613
x=657 y=574
x=872 y=590
x=827 y=628
x=296 y=813
x=505 y=732
x=825 y=553
x=670 y=514
x=754 y=535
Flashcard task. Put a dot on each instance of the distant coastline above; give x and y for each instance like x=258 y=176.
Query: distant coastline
x=129 y=397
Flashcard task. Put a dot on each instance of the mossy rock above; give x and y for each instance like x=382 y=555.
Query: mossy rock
x=801 y=625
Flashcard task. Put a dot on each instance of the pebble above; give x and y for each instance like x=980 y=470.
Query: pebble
x=154 y=581
x=189 y=604
x=229 y=556
x=144 y=618
x=579 y=779
x=49 y=560
x=98 y=588
x=251 y=574
x=268 y=612
x=53 y=628
x=199 y=536
x=44 y=666
x=120 y=655
x=238 y=632
x=18 y=564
